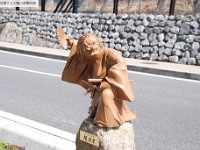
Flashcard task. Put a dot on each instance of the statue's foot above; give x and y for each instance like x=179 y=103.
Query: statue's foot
x=99 y=125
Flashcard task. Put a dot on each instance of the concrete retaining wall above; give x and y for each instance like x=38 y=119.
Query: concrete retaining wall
x=151 y=37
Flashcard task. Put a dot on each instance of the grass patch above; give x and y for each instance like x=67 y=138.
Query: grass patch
x=3 y=145
x=6 y=146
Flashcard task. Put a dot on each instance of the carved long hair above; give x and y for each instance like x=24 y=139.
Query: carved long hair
x=80 y=45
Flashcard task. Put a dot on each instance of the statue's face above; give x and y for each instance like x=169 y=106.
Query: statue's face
x=92 y=50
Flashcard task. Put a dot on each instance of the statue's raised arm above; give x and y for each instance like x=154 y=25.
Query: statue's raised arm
x=63 y=39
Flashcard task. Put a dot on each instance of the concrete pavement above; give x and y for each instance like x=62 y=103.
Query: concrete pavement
x=33 y=135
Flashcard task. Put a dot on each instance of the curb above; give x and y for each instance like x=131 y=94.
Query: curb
x=33 y=135
x=132 y=66
x=170 y=73
x=35 y=53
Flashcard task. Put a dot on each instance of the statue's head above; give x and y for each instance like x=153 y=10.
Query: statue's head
x=89 y=47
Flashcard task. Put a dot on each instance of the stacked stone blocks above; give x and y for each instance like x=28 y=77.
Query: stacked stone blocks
x=152 y=37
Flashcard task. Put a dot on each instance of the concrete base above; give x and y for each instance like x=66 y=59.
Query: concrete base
x=121 y=138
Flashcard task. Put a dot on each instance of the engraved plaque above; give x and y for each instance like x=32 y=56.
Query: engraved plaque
x=89 y=138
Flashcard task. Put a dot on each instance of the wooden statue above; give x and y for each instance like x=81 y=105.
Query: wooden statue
x=103 y=73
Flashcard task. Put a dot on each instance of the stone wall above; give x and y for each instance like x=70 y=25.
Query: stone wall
x=152 y=37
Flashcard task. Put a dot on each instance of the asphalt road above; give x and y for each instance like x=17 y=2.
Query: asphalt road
x=167 y=109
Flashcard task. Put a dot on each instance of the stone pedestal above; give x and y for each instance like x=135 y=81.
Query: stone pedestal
x=121 y=138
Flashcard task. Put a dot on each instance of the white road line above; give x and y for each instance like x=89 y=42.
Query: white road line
x=163 y=76
x=49 y=74
x=32 y=71
x=134 y=72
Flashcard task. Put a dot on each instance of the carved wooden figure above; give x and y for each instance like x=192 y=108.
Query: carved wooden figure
x=103 y=73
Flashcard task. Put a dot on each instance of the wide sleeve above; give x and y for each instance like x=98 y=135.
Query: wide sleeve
x=73 y=68
x=117 y=77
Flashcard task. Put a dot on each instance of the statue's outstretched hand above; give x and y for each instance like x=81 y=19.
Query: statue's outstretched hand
x=63 y=39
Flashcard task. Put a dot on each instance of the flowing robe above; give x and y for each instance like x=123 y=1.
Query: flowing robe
x=111 y=69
